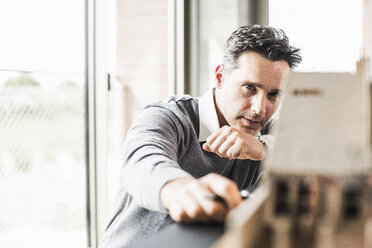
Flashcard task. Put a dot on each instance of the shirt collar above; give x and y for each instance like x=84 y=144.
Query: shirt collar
x=208 y=121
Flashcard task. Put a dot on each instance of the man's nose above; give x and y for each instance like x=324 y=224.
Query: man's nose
x=259 y=104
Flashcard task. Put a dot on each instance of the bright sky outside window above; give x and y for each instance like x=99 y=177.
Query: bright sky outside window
x=329 y=32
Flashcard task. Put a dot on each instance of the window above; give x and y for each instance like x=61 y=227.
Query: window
x=140 y=76
x=329 y=33
x=42 y=124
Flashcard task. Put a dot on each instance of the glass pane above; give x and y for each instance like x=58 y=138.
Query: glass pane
x=115 y=137
x=329 y=33
x=141 y=74
x=42 y=35
x=42 y=163
x=217 y=20
x=42 y=124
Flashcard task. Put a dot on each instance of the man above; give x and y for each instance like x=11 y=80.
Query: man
x=180 y=152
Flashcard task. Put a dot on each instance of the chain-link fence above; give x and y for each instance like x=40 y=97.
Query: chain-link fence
x=42 y=164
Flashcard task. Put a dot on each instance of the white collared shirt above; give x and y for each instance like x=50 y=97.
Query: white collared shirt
x=208 y=120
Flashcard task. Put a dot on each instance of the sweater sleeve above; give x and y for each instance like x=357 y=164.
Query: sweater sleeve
x=150 y=159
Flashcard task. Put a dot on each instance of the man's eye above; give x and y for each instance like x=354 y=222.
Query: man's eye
x=273 y=95
x=250 y=87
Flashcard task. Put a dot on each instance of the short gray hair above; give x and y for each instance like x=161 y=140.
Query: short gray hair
x=269 y=42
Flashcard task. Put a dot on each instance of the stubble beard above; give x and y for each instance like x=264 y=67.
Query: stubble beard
x=251 y=116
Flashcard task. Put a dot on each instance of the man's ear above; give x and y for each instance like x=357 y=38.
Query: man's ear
x=219 y=75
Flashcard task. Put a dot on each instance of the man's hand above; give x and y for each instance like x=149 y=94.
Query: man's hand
x=229 y=142
x=188 y=199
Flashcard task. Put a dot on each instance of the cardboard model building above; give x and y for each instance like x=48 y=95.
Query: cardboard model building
x=316 y=190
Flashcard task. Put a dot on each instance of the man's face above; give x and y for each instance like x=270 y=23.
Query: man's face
x=247 y=96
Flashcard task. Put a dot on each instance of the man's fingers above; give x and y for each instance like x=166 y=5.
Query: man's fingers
x=215 y=140
x=178 y=213
x=192 y=201
x=213 y=136
x=192 y=207
x=234 y=150
x=213 y=209
x=231 y=143
x=206 y=147
x=220 y=141
x=191 y=204
x=225 y=146
x=225 y=188
x=215 y=145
